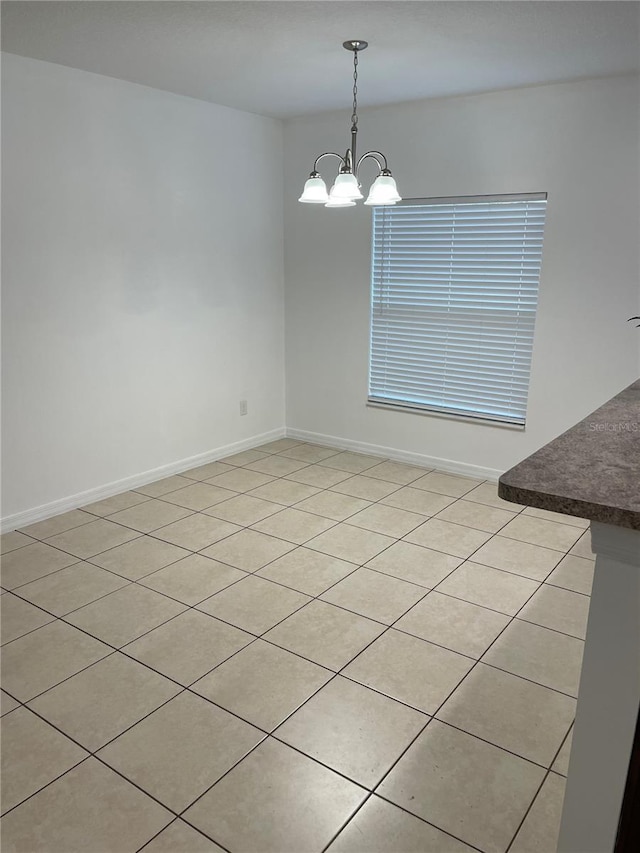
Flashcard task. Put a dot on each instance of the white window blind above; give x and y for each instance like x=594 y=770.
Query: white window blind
x=454 y=295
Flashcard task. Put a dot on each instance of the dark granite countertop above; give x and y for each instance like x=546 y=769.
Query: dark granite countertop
x=592 y=470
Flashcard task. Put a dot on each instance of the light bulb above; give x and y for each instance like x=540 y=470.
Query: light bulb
x=383 y=191
x=346 y=186
x=340 y=202
x=315 y=191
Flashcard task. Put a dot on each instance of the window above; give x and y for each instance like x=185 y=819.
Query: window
x=454 y=294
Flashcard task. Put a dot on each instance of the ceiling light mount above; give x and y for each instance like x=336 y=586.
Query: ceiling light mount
x=346 y=189
x=355 y=45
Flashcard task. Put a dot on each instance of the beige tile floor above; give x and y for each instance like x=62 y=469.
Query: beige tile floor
x=292 y=650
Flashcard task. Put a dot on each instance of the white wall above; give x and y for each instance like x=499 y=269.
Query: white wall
x=142 y=271
x=142 y=280
x=579 y=143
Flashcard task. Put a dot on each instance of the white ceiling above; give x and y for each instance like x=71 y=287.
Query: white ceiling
x=285 y=58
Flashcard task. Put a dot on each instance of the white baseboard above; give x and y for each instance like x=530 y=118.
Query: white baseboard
x=450 y=466
x=40 y=513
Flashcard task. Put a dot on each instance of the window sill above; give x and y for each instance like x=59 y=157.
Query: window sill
x=478 y=420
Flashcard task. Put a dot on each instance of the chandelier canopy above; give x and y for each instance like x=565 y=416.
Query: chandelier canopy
x=346 y=188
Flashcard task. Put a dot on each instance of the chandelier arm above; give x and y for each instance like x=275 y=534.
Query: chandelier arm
x=374 y=156
x=327 y=154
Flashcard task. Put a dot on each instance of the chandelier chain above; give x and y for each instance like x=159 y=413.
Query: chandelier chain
x=354 y=115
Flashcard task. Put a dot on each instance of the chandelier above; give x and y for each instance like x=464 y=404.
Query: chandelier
x=346 y=188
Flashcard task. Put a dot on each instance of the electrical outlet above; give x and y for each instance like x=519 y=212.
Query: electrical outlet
x=243 y=407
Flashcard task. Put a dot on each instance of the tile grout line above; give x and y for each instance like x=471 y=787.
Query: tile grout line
x=247 y=492
x=207 y=598
x=291 y=506
x=537 y=794
x=434 y=716
x=550 y=770
x=247 y=527
x=267 y=734
x=316 y=597
x=430 y=718
x=94 y=753
x=195 y=607
x=255 y=637
x=339 y=672
x=179 y=820
x=57 y=778
x=116 y=650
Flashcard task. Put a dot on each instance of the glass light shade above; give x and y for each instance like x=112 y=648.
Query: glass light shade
x=383 y=191
x=345 y=186
x=340 y=202
x=314 y=192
